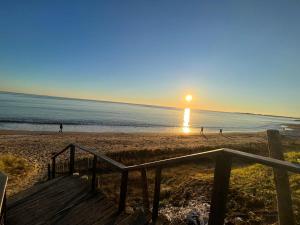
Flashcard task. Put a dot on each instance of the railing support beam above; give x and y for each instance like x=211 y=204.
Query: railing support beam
x=53 y=167
x=156 y=195
x=49 y=171
x=123 y=191
x=94 y=172
x=144 y=186
x=284 y=200
x=72 y=159
x=220 y=190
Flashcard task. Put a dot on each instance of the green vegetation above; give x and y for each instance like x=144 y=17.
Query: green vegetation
x=253 y=194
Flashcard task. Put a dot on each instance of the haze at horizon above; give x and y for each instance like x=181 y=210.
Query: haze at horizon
x=233 y=56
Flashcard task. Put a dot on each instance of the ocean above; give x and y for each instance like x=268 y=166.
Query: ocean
x=45 y=113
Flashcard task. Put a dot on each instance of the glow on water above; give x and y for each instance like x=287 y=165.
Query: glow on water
x=186 y=121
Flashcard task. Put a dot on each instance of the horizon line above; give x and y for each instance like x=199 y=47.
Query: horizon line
x=144 y=105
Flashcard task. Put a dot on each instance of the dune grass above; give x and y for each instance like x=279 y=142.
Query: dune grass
x=18 y=170
x=252 y=196
x=13 y=165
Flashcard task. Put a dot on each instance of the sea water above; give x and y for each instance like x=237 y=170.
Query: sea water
x=45 y=113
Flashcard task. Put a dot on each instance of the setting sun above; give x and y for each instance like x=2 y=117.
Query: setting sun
x=189 y=98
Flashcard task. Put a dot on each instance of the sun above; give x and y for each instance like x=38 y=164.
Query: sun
x=188 y=98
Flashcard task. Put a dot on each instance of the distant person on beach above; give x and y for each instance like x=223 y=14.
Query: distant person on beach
x=201 y=132
x=221 y=131
x=61 y=128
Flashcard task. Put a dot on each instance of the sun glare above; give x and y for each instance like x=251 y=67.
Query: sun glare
x=189 y=98
x=186 y=120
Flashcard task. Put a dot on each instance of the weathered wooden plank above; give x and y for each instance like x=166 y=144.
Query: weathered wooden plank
x=72 y=159
x=284 y=199
x=102 y=157
x=220 y=190
x=53 y=167
x=145 y=193
x=156 y=195
x=49 y=171
x=69 y=202
x=252 y=158
x=123 y=191
x=60 y=152
x=175 y=160
x=94 y=173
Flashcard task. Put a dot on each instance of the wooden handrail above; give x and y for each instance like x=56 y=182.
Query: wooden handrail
x=60 y=152
x=223 y=158
x=97 y=156
x=3 y=185
x=104 y=158
x=175 y=160
x=275 y=163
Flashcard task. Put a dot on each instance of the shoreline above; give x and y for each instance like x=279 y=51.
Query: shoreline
x=3 y=132
x=176 y=130
x=289 y=130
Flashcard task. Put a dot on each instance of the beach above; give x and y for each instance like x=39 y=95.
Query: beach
x=37 y=147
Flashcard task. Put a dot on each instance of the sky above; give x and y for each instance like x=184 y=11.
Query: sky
x=241 y=56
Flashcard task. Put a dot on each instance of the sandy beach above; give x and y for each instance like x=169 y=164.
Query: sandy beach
x=37 y=147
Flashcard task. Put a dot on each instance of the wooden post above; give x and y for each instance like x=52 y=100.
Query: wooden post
x=64 y=166
x=49 y=171
x=156 y=195
x=53 y=167
x=220 y=190
x=72 y=159
x=94 y=173
x=123 y=191
x=284 y=200
x=144 y=185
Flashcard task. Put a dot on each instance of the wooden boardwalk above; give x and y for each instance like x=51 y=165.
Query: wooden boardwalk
x=68 y=201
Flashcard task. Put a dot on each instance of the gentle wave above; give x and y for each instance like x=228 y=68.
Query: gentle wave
x=44 y=112
x=81 y=122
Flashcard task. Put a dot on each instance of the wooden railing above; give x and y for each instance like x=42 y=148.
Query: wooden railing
x=3 y=183
x=223 y=163
x=97 y=157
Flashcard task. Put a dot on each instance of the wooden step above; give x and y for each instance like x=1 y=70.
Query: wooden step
x=67 y=201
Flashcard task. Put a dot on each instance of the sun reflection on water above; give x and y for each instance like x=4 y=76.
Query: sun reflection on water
x=186 y=121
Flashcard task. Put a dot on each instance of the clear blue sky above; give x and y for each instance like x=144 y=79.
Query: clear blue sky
x=230 y=55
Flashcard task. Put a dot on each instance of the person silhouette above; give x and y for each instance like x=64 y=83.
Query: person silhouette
x=221 y=131
x=60 y=128
x=201 y=132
